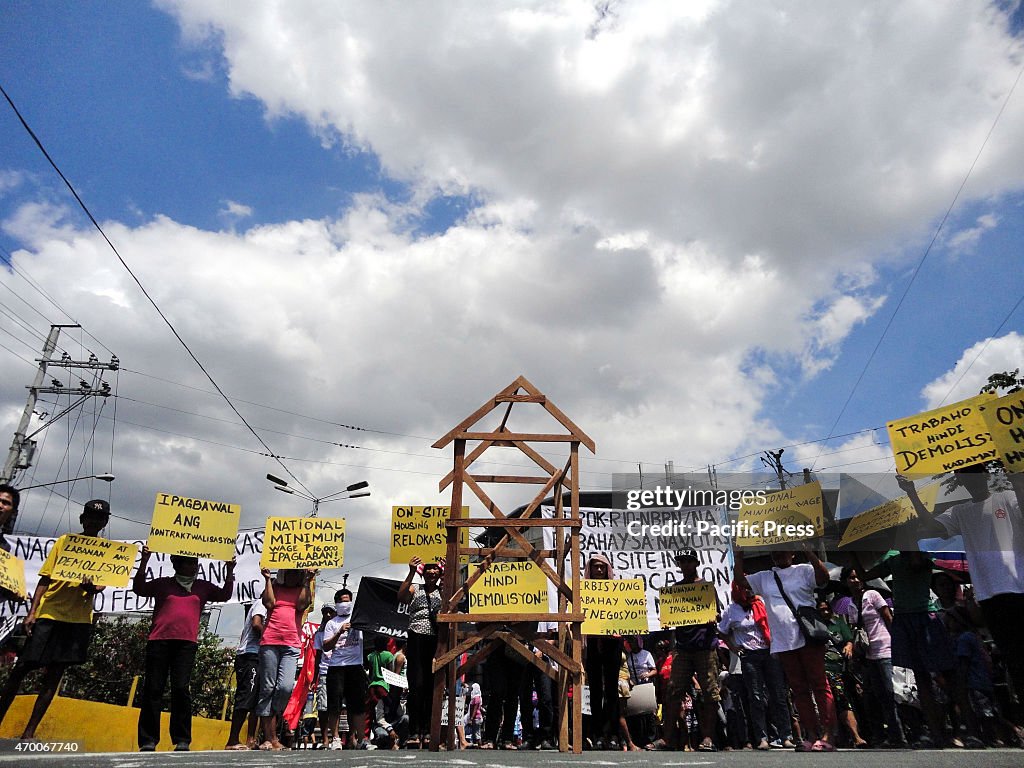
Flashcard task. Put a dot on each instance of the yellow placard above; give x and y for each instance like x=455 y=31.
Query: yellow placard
x=888 y=515
x=794 y=514
x=510 y=587
x=12 y=574
x=614 y=606
x=683 y=605
x=420 y=532
x=944 y=439
x=303 y=542
x=1004 y=419
x=194 y=527
x=108 y=563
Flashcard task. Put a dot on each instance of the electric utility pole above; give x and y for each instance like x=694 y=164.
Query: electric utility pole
x=22 y=450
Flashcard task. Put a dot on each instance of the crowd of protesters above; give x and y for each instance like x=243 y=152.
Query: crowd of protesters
x=893 y=654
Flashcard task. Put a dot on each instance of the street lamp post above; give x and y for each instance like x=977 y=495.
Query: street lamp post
x=346 y=493
x=105 y=477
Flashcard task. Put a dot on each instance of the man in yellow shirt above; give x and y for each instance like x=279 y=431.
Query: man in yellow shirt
x=59 y=625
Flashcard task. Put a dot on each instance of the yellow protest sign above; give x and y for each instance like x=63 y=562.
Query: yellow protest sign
x=303 y=542
x=12 y=573
x=510 y=587
x=613 y=606
x=887 y=515
x=420 y=532
x=194 y=527
x=1004 y=419
x=683 y=605
x=107 y=563
x=943 y=439
x=794 y=514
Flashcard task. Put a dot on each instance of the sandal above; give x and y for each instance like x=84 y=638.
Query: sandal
x=706 y=746
x=266 y=746
x=237 y=746
x=487 y=745
x=657 y=746
x=822 y=746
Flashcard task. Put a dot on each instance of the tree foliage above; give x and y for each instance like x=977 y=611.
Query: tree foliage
x=118 y=653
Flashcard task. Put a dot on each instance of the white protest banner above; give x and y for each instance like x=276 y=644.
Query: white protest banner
x=619 y=535
x=248 y=581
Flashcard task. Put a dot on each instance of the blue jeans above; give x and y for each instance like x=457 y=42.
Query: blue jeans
x=879 y=679
x=766 y=694
x=277 y=678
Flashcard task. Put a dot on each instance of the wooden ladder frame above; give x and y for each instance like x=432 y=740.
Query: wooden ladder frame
x=495 y=630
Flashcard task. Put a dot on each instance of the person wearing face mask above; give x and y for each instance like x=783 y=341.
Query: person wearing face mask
x=424 y=605
x=171 y=647
x=346 y=678
x=286 y=601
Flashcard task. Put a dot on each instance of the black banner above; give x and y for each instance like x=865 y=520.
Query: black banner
x=377 y=608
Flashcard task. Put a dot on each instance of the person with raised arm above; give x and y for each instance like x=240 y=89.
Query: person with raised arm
x=286 y=602
x=786 y=588
x=424 y=605
x=173 y=642
x=58 y=624
x=992 y=528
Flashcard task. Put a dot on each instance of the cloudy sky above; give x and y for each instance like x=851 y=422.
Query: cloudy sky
x=703 y=229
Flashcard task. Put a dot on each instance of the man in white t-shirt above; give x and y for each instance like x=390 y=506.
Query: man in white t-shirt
x=992 y=528
x=803 y=662
x=346 y=678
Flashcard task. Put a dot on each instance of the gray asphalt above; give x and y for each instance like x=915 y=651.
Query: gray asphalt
x=992 y=758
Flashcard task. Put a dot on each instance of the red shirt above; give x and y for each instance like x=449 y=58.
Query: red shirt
x=176 y=614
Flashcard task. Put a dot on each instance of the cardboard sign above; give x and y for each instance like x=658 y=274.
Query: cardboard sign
x=394 y=680
x=420 y=532
x=794 y=514
x=108 y=563
x=888 y=515
x=685 y=604
x=12 y=574
x=460 y=709
x=194 y=527
x=613 y=607
x=1004 y=419
x=303 y=542
x=510 y=587
x=943 y=439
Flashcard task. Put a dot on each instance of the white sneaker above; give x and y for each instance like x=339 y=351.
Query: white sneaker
x=367 y=745
x=336 y=744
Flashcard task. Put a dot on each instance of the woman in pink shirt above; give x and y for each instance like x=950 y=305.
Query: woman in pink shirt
x=286 y=601
x=875 y=617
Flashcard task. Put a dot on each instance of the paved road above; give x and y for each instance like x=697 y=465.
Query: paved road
x=1002 y=758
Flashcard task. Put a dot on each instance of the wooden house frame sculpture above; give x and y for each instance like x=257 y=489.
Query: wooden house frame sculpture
x=498 y=631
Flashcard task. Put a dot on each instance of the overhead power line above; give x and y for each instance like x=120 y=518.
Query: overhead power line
x=146 y=293
x=924 y=256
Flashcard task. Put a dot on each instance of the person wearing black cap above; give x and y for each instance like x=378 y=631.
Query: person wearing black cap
x=694 y=653
x=59 y=625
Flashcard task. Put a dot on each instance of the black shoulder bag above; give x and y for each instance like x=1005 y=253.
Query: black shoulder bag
x=811 y=626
